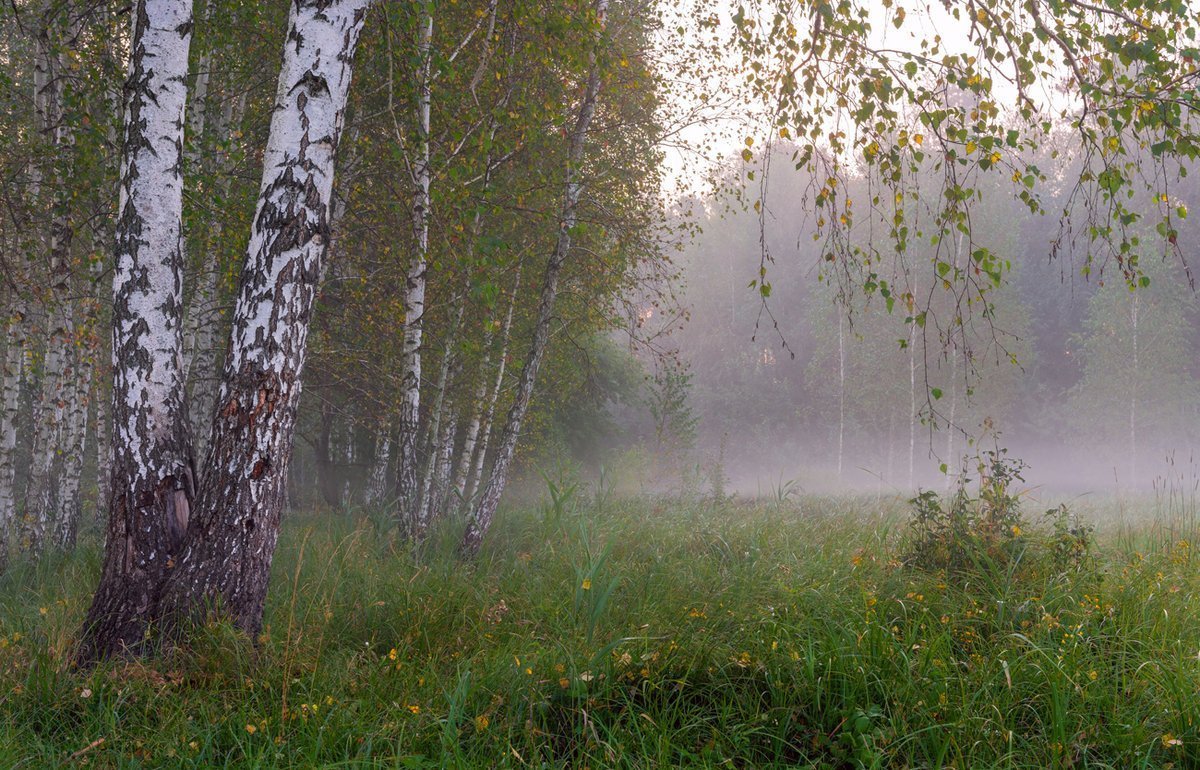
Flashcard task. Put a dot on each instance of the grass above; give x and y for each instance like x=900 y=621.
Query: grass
x=646 y=634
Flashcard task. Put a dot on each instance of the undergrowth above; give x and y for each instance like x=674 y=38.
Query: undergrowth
x=800 y=633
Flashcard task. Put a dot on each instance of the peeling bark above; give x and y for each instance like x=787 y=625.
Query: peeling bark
x=152 y=481
x=227 y=557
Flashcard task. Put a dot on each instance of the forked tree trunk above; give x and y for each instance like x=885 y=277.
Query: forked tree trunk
x=481 y=517
x=227 y=558
x=410 y=513
x=152 y=481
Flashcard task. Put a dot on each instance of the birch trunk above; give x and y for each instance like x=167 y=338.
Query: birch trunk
x=472 y=481
x=912 y=402
x=481 y=517
x=102 y=401
x=323 y=455
x=377 y=482
x=204 y=321
x=10 y=404
x=227 y=556
x=52 y=404
x=411 y=516
x=1133 y=392
x=841 y=438
x=444 y=462
x=429 y=504
x=152 y=478
x=74 y=437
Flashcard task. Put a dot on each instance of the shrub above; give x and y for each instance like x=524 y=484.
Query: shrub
x=986 y=531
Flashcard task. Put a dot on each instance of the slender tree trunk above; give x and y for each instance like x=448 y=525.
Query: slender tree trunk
x=443 y=461
x=841 y=393
x=472 y=481
x=102 y=401
x=10 y=405
x=1133 y=392
x=951 y=460
x=377 y=482
x=53 y=403
x=481 y=518
x=912 y=402
x=74 y=440
x=411 y=515
x=323 y=455
x=227 y=558
x=204 y=319
x=436 y=438
x=152 y=477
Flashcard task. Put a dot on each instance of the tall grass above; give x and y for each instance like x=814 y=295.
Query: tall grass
x=647 y=633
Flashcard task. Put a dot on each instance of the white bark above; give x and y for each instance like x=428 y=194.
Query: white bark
x=1133 y=392
x=472 y=481
x=912 y=402
x=229 y=550
x=841 y=438
x=152 y=480
x=429 y=502
x=411 y=515
x=481 y=517
x=377 y=482
x=10 y=399
x=56 y=388
x=68 y=507
x=443 y=461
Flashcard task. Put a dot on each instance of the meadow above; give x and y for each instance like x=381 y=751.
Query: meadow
x=794 y=632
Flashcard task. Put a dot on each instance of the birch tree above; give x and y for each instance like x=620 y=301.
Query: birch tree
x=232 y=538
x=483 y=513
x=152 y=486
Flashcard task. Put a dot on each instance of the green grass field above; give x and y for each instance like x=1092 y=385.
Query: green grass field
x=640 y=634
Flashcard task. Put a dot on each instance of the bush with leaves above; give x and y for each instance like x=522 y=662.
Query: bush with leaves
x=987 y=531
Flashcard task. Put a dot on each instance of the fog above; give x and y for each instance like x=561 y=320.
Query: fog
x=1095 y=386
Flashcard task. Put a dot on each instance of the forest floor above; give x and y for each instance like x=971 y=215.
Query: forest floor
x=794 y=633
